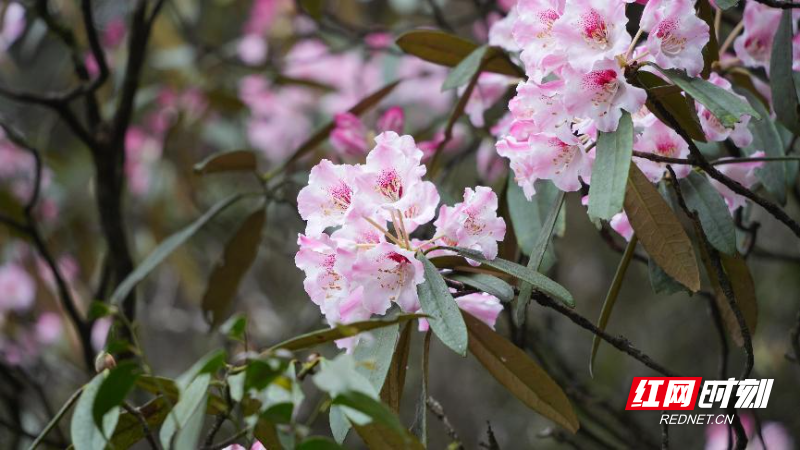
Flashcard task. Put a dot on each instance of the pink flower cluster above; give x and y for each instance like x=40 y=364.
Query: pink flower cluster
x=754 y=46
x=359 y=267
x=575 y=53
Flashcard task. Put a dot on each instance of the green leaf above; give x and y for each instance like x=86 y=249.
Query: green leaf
x=782 y=79
x=340 y=331
x=611 y=297
x=129 y=429
x=611 y=166
x=726 y=4
x=210 y=364
x=166 y=248
x=724 y=105
x=240 y=253
x=394 y=383
x=538 y=252
x=85 y=433
x=235 y=328
x=378 y=436
x=659 y=231
x=672 y=99
x=232 y=161
x=184 y=423
x=661 y=282
x=99 y=310
x=519 y=374
x=486 y=283
x=438 y=303
x=767 y=139
x=449 y=50
x=711 y=50
x=372 y=408
x=318 y=443
x=114 y=389
x=466 y=69
x=539 y=281
x=167 y=387
x=717 y=223
x=374 y=358
x=529 y=217
x=260 y=373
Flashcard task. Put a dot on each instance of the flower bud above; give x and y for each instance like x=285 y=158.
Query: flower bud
x=104 y=361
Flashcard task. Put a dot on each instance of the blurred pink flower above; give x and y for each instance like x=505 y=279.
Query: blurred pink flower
x=661 y=140
x=485 y=307
x=743 y=173
x=100 y=333
x=13 y=25
x=776 y=436
x=714 y=130
x=48 y=328
x=17 y=288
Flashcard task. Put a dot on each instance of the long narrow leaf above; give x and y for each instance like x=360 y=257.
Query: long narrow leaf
x=539 y=281
x=537 y=256
x=444 y=316
x=610 y=172
x=611 y=297
x=164 y=249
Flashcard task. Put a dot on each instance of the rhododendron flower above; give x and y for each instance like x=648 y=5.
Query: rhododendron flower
x=592 y=30
x=601 y=94
x=328 y=197
x=257 y=445
x=714 y=130
x=387 y=273
x=619 y=222
x=547 y=157
x=533 y=32
x=743 y=173
x=661 y=140
x=487 y=92
x=678 y=37
x=391 y=180
x=501 y=32
x=351 y=138
x=473 y=223
x=17 y=288
x=361 y=268
x=485 y=307
x=542 y=105
x=754 y=46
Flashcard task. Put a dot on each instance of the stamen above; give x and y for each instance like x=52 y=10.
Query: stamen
x=383 y=230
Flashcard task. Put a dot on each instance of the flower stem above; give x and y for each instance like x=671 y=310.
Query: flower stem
x=731 y=36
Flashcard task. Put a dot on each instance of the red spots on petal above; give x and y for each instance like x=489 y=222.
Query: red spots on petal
x=341 y=194
x=390 y=185
x=602 y=84
x=594 y=29
x=398 y=258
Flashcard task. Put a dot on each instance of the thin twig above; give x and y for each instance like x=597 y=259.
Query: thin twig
x=618 y=342
x=701 y=162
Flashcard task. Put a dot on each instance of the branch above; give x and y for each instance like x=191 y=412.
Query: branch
x=700 y=161
x=779 y=4
x=722 y=276
x=30 y=228
x=619 y=342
